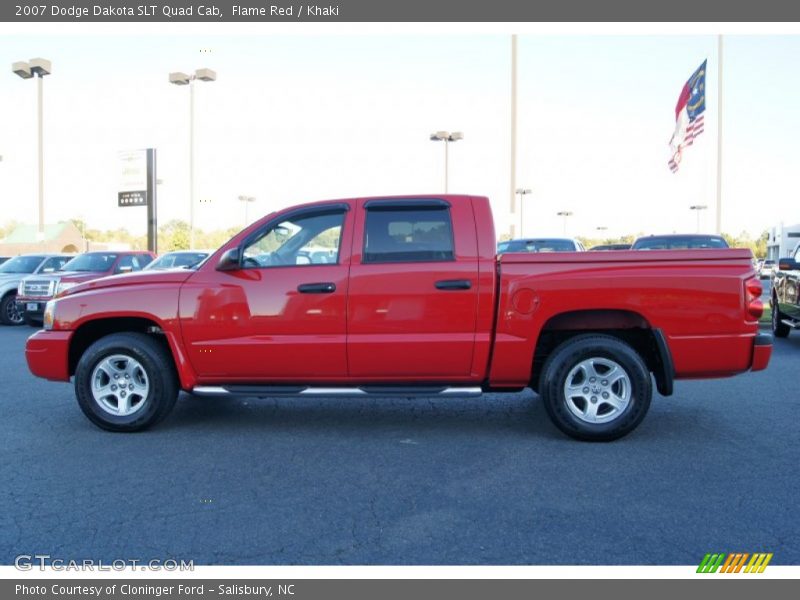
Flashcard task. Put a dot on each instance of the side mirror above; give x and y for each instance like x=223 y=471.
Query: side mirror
x=787 y=264
x=229 y=260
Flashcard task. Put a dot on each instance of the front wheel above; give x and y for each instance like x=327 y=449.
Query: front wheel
x=126 y=382
x=9 y=313
x=596 y=388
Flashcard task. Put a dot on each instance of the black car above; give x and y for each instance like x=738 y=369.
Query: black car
x=604 y=247
x=680 y=241
x=540 y=245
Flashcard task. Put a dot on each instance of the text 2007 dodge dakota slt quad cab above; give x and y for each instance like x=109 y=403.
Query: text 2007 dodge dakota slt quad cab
x=405 y=296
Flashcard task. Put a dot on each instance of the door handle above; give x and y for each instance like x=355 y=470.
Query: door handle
x=453 y=284
x=317 y=288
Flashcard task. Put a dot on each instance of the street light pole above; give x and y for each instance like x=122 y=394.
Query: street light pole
x=522 y=193
x=566 y=214
x=179 y=78
x=39 y=67
x=446 y=137
x=697 y=208
x=247 y=200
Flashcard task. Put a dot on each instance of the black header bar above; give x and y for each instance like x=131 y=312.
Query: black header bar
x=341 y=11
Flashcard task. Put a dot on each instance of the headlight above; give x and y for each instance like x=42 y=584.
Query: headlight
x=49 y=314
x=64 y=286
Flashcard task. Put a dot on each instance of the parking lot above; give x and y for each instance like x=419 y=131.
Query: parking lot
x=397 y=481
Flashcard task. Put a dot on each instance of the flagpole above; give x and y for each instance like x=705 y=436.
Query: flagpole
x=719 y=134
x=513 y=174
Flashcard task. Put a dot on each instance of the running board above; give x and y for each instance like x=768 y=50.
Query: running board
x=790 y=323
x=272 y=391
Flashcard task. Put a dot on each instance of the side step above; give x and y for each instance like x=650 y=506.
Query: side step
x=272 y=391
x=790 y=323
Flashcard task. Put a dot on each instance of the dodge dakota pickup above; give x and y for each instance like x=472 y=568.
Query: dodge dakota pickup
x=404 y=296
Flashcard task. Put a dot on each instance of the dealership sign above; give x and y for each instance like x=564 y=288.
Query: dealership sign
x=132 y=190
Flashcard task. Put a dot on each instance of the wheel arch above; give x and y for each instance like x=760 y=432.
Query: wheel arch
x=627 y=325
x=92 y=330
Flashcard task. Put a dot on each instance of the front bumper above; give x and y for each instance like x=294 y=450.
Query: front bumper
x=47 y=353
x=32 y=307
x=762 y=351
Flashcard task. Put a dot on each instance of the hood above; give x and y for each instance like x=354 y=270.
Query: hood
x=137 y=278
x=12 y=276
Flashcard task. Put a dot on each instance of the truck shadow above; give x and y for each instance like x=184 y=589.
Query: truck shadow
x=521 y=413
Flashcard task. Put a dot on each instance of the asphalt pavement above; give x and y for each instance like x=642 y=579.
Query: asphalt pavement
x=713 y=468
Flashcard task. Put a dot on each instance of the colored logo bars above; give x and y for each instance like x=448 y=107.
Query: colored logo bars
x=735 y=562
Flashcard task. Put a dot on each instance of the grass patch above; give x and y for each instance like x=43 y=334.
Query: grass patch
x=767 y=316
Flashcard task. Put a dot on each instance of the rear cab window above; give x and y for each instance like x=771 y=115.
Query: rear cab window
x=408 y=231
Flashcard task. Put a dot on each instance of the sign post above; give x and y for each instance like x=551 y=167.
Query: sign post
x=138 y=187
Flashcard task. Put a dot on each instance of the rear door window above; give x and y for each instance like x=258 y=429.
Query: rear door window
x=413 y=234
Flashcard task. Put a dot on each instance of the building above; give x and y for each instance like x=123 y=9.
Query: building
x=25 y=239
x=782 y=241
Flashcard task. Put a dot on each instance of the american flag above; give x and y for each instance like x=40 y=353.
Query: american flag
x=689 y=120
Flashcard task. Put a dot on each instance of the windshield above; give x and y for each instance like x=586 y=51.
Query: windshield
x=177 y=259
x=689 y=242
x=21 y=264
x=91 y=263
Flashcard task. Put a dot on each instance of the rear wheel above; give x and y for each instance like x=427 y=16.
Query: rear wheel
x=9 y=315
x=779 y=329
x=126 y=382
x=596 y=388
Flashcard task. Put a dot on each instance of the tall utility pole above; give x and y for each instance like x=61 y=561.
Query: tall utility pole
x=522 y=193
x=39 y=67
x=179 y=78
x=513 y=186
x=719 y=135
x=697 y=208
x=446 y=137
x=566 y=214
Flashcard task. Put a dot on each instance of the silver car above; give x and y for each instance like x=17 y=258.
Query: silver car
x=14 y=270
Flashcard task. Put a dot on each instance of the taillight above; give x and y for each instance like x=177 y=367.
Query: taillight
x=753 y=306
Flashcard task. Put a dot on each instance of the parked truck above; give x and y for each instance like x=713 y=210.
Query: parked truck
x=785 y=298
x=35 y=290
x=414 y=302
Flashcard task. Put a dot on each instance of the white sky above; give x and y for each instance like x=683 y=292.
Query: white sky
x=302 y=117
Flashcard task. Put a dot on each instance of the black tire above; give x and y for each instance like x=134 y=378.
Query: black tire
x=32 y=322
x=9 y=315
x=612 y=422
x=779 y=329
x=157 y=366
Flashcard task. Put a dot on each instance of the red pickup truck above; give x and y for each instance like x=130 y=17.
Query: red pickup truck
x=404 y=296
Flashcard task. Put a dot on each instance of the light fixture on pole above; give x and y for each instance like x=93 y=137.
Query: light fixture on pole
x=446 y=137
x=247 y=200
x=697 y=208
x=38 y=67
x=566 y=214
x=522 y=192
x=179 y=78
